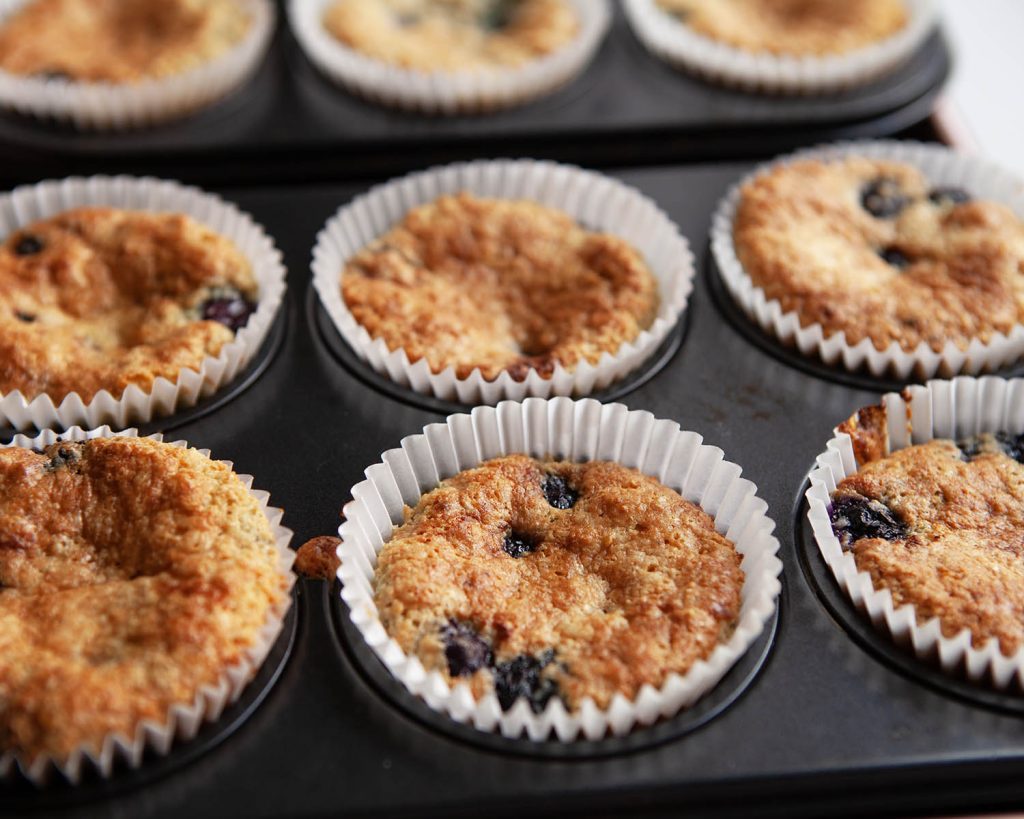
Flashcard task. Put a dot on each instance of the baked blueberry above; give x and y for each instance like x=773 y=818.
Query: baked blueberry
x=517 y=544
x=948 y=196
x=855 y=517
x=1011 y=445
x=28 y=318
x=894 y=256
x=558 y=492
x=464 y=649
x=521 y=677
x=65 y=455
x=28 y=245
x=883 y=198
x=228 y=307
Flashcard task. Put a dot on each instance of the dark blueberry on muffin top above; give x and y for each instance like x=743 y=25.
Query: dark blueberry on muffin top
x=558 y=492
x=464 y=649
x=521 y=677
x=883 y=198
x=948 y=196
x=855 y=518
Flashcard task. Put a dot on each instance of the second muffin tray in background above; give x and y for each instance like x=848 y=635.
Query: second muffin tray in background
x=823 y=726
x=290 y=123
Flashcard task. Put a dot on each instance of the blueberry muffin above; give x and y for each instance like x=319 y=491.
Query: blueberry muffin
x=452 y=35
x=132 y=573
x=99 y=299
x=499 y=286
x=941 y=526
x=806 y=28
x=544 y=579
x=118 y=41
x=872 y=249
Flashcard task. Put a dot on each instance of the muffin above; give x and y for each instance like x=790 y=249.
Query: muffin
x=99 y=298
x=452 y=35
x=541 y=568
x=119 y=41
x=792 y=27
x=499 y=286
x=872 y=249
x=916 y=510
x=139 y=582
x=940 y=525
x=543 y=579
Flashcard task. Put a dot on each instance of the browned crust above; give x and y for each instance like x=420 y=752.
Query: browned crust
x=113 y=299
x=499 y=285
x=963 y=558
x=428 y=35
x=803 y=237
x=131 y=573
x=630 y=584
x=804 y=27
x=317 y=558
x=868 y=433
x=119 y=41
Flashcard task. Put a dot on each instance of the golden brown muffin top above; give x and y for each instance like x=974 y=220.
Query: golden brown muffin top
x=797 y=27
x=119 y=41
x=131 y=574
x=546 y=578
x=98 y=299
x=499 y=285
x=941 y=526
x=452 y=35
x=872 y=249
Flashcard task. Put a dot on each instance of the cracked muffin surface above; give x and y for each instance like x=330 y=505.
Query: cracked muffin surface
x=797 y=27
x=119 y=41
x=499 y=285
x=543 y=579
x=941 y=526
x=132 y=573
x=99 y=299
x=874 y=250
x=452 y=35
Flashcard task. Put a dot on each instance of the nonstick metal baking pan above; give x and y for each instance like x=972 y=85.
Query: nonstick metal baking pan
x=291 y=124
x=821 y=715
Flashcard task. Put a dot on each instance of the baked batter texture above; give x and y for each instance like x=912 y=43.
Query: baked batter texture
x=453 y=35
x=550 y=579
x=99 y=299
x=119 y=41
x=941 y=526
x=792 y=27
x=132 y=573
x=872 y=249
x=499 y=285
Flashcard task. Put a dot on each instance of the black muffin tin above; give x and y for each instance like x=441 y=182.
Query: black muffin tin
x=291 y=124
x=821 y=715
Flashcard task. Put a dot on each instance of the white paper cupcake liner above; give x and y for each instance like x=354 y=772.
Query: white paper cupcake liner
x=953 y=409
x=984 y=180
x=183 y=720
x=447 y=92
x=579 y=431
x=136 y=406
x=597 y=202
x=113 y=106
x=678 y=44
